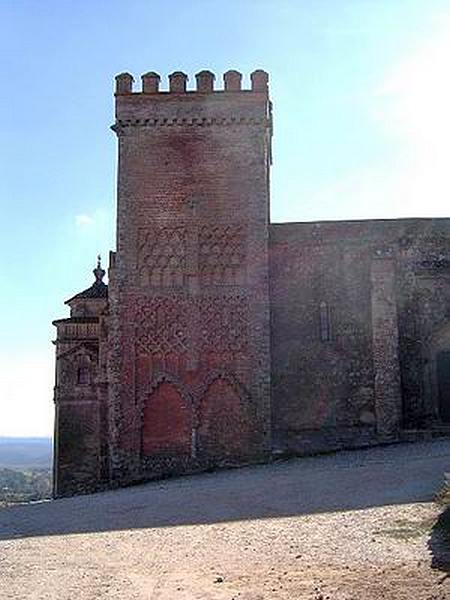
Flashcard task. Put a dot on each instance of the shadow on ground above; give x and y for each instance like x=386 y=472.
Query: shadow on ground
x=439 y=543
x=399 y=474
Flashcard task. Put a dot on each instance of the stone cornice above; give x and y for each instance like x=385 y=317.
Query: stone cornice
x=122 y=124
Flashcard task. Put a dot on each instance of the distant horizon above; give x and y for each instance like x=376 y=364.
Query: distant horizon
x=26 y=437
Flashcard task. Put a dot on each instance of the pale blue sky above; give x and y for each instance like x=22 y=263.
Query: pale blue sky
x=361 y=92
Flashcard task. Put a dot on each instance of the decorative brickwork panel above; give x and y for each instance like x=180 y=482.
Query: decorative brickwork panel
x=224 y=324
x=76 y=371
x=72 y=363
x=162 y=256
x=223 y=426
x=162 y=326
x=167 y=422
x=222 y=254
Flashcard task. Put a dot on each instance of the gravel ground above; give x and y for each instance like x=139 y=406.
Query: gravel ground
x=357 y=525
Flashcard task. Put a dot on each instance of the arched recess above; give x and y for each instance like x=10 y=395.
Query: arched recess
x=223 y=420
x=166 y=422
x=437 y=375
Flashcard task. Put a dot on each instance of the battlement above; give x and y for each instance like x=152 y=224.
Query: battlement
x=178 y=83
x=181 y=106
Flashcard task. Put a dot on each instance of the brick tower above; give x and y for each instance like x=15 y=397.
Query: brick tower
x=189 y=363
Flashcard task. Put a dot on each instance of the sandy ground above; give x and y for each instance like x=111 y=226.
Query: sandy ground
x=353 y=526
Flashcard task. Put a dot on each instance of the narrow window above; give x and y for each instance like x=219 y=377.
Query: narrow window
x=83 y=376
x=325 y=325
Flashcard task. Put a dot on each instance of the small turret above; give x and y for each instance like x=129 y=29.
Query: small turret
x=87 y=302
x=81 y=392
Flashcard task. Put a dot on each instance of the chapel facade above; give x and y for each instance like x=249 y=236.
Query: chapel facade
x=222 y=338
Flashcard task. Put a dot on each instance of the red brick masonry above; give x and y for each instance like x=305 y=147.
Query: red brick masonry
x=222 y=337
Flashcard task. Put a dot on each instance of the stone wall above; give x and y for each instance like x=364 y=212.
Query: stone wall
x=354 y=308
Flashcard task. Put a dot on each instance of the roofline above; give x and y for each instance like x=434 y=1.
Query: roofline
x=86 y=298
x=76 y=320
x=355 y=221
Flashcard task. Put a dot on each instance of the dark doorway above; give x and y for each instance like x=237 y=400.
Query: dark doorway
x=443 y=374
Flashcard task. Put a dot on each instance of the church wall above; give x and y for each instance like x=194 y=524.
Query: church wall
x=322 y=371
x=352 y=307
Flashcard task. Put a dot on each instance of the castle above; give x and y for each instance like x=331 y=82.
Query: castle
x=222 y=338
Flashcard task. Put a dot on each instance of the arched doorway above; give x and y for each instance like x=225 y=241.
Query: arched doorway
x=443 y=385
x=437 y=375
x=167 y=423
x=223 y=426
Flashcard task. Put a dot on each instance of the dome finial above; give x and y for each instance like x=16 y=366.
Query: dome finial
x=99 y=273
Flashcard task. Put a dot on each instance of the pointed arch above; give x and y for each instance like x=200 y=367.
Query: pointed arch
x=166 y=419
x=77 y=366
x=227 y=376
x=164 y=376
x=223 y=419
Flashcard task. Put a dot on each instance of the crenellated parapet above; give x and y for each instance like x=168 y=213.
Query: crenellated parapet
x=181 y=106
x=204 y=83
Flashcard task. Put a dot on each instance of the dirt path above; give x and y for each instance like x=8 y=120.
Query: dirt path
x=357 y=525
